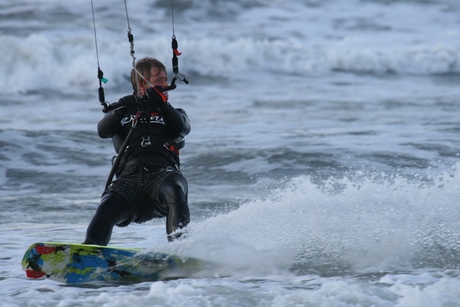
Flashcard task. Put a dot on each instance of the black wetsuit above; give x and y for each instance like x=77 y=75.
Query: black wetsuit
x=149 y=183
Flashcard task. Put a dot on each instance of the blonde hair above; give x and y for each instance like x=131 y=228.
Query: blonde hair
x=144 y=67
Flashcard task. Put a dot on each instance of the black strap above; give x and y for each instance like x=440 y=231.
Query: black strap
x=118 y=159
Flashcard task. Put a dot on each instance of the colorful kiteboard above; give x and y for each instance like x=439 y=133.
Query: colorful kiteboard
x=77 y=263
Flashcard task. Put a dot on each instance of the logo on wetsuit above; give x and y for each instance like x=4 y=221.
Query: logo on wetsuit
x=155 y=118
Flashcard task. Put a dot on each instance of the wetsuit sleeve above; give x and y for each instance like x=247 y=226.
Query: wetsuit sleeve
x=176 y=119
x=107 y=126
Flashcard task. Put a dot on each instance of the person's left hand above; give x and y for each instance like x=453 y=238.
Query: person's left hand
x=156 y=97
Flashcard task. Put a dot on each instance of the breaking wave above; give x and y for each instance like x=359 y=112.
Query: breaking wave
x=36 y=63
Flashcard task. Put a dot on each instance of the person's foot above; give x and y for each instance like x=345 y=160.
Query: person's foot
x=176 y=235
x=89 y=241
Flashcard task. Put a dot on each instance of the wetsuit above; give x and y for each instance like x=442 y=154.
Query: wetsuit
x=149 y=183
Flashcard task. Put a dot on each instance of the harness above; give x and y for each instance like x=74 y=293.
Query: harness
x=131 y=151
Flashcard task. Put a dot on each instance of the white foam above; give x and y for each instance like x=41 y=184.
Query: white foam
x=370 y=224
x=293 y=39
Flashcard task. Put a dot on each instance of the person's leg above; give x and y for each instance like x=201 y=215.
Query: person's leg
x=173 y=192
x=113 y=210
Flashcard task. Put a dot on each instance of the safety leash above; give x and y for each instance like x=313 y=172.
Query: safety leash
x=176 y=53
x=100 y=74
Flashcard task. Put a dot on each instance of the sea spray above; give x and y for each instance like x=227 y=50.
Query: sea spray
x=375 y=223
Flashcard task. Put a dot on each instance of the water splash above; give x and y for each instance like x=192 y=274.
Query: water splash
x=344 y=226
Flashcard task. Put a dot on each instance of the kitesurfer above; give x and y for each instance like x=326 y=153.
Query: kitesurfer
x=149 y=183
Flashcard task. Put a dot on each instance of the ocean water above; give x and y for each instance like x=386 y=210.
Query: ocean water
x=323 y=161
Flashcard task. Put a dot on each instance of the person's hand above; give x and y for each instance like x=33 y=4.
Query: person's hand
x=156 y=97
x=129 y=102
x=124 y=105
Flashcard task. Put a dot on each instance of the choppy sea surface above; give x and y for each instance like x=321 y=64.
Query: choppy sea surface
x=323 y=162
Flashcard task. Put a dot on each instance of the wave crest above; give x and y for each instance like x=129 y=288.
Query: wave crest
x=36 y=62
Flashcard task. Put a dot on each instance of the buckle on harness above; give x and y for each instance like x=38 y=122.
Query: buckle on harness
x=170 y=147
x=146 y=141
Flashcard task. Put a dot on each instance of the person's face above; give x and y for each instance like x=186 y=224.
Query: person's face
x=158 y=77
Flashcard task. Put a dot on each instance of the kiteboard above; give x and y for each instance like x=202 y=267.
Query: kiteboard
x=78 y=263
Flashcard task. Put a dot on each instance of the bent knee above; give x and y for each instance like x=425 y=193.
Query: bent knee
x=174 y=187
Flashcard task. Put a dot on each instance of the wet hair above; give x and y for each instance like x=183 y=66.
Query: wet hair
x=144 y=67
